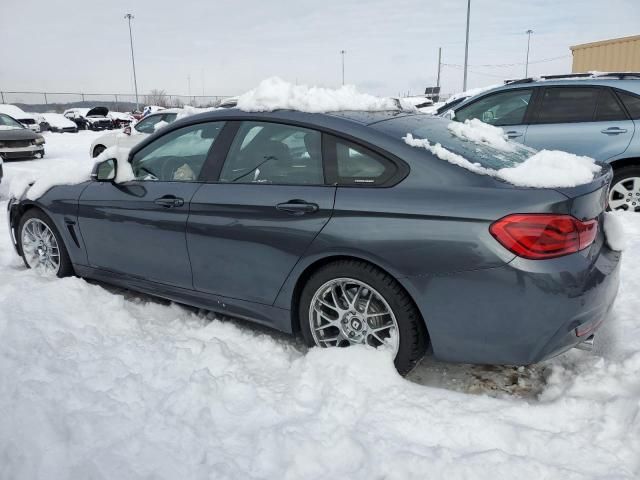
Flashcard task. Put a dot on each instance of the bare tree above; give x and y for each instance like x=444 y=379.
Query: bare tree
x=158 y=97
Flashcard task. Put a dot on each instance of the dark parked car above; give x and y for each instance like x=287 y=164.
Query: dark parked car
x=90 y=118
x=331 y=225
x=17 y=141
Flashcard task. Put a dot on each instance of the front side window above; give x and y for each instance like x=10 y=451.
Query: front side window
x=273 y=153
x=177 y=156
x=568 y=105
x=505 y=108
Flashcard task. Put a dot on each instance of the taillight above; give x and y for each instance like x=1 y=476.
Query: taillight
x=541 y=236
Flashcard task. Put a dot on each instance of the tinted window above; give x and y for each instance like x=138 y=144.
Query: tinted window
x=505 y=108
x=357 y=165
x=568 y=105
x=265 y=152
x=147 y=125
x=609 y=108
x=632 y=103
x=177 y=156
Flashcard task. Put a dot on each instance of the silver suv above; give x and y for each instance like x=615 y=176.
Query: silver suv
x=597 y=115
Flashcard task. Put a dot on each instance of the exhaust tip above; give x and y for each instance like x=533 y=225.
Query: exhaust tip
x=586 y=344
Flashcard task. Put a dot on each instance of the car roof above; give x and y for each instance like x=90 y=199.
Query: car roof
x=630 y=84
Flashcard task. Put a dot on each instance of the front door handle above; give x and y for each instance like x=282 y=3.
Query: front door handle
x=513 y=134
x=169 y=201
x=297 y=207
x=613 y=130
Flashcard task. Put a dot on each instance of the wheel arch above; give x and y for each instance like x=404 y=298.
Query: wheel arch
x=318 y=263
x=15 y=214
x=625 y=162
x=94 y=147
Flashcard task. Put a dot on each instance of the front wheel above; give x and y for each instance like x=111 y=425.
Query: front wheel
x=42 y=248
x=349 y=302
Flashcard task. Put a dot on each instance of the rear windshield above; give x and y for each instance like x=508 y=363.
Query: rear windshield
x=435 y=130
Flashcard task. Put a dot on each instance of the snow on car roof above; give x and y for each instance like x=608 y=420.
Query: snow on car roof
x=276 y=94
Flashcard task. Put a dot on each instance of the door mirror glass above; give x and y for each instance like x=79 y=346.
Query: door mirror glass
x=106 y=171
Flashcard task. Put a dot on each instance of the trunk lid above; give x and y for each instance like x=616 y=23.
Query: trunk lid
x=591 y=199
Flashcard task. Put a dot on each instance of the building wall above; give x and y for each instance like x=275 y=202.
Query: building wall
x=615 y=55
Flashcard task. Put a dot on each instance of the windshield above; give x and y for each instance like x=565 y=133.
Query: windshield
x=436 y=131
x=8 y=123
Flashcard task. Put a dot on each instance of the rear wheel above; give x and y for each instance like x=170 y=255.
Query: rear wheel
x=624 y=194
x=41 y=246
x=350 y=302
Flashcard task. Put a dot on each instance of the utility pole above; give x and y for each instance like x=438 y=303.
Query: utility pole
x=439 y=66
x=466 y=48
x=526 y=68
x=129 y=17
x=342 y=52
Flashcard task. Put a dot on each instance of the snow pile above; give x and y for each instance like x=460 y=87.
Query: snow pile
x=274 y=94
x=33 y=183
x=614 y=231
x=477 y=131
x=544 y=169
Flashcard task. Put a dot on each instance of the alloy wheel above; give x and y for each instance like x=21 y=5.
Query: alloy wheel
x=40 y=247
x=625 y=195
x=345 y=311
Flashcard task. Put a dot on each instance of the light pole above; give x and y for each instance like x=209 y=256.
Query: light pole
x=526 y=65
x=466 y=48
x=129 y=17
x=342 y=52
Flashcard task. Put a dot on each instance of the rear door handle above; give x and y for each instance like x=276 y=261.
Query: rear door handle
x=297 y=207
x=513 y=134
x=614 y=130
x=169 y=201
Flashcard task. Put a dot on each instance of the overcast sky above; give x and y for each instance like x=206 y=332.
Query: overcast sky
x=227 y=46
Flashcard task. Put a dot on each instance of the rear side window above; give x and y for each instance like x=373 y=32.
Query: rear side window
x=273 y=153
x=568 y=105
x=504 y=108
x=609 y=109
x=358 y=165
x=632 y=103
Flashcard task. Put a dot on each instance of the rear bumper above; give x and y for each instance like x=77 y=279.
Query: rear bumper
x=520 y=313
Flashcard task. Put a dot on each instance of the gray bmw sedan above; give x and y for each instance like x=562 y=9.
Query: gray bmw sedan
x=334 y=226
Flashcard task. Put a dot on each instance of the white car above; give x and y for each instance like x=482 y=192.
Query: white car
x=28 y=120
x=130 y=136
x=59 y=123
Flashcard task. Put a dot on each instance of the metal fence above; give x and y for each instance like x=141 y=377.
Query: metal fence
x=59 y=101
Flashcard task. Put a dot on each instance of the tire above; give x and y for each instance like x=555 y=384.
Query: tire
x=411 y=333
x=622 y=185
x=64 y=267
x=98 y=149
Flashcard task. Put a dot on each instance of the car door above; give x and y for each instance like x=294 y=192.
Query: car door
x=508 y=109
x=584 y=120
x=137 y=228
x=249 y=227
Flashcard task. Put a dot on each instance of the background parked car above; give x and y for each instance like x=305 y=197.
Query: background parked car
x=121 y=120
x=59 y=123
x=596 y=116
x=90 y=118
x=17 y=141
x=133 y=135
x=27 y=119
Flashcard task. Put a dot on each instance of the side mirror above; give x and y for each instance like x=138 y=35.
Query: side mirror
x=126 y=130
x=105 y=171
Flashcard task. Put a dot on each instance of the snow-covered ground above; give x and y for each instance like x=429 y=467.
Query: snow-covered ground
x=101 y=383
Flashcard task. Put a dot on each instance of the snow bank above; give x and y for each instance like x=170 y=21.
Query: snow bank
x=34 y=184
x=274 y=93
x=544 y=169
x=614 y=231
x=477 y=131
